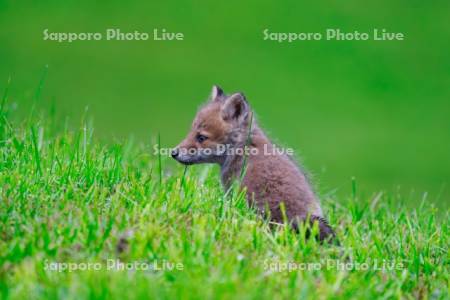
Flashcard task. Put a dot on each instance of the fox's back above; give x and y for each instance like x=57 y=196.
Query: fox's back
x=274 y=178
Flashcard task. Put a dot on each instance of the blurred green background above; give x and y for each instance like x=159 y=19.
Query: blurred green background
x=375 y=110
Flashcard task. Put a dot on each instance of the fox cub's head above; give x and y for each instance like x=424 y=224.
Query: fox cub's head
x=221 y=124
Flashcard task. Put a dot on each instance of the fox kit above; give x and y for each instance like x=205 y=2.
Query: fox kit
x=225 y=132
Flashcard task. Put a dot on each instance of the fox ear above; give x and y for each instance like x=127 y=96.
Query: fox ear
x=216 y=93
x=235 y=108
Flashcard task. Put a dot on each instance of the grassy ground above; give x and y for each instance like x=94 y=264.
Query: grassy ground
x=65 y=198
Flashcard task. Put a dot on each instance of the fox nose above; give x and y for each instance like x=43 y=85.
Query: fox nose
x=175 y=152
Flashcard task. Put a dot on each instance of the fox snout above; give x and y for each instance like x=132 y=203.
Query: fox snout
x=194 y=155
x=175 y=153
x=184 y=155
x=188 y=153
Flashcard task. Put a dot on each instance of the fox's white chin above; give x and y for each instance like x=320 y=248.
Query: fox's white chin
x=184 y=161
x=195 y=160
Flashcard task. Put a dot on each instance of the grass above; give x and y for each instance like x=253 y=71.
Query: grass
x=66 y=197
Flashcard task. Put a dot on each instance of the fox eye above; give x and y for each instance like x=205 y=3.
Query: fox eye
x=201 y=138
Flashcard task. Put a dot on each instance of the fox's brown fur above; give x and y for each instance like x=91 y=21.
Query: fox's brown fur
x=269 y=179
